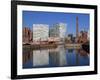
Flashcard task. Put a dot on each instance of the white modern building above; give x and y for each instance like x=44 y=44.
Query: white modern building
x=62 y=30
x=58 y=30
x=40 y=32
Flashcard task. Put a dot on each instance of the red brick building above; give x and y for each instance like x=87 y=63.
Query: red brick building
x=27 y=35
x=83 y=37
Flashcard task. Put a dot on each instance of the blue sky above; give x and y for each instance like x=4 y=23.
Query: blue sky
x=50 y=18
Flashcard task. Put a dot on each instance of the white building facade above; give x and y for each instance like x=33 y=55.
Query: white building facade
x=40 y=32
x=58 y=30
x=62 y=30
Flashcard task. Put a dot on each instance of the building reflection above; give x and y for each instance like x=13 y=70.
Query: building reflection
x=77 y=57
x=82 y=57
x=55 y=57
x=58 y=56
x=40 y=57
x=27 y=56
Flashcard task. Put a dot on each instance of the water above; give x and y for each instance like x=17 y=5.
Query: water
x=55 y=57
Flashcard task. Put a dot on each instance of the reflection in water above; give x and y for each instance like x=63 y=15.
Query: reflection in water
x=55 y=57
x=58 y=57
x=40 y=57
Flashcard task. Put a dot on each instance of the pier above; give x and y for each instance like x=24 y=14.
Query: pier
x=74 y=46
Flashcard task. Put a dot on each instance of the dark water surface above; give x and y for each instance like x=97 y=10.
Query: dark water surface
x=55 y=57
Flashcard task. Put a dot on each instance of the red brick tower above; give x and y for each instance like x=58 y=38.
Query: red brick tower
x=77 y=29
